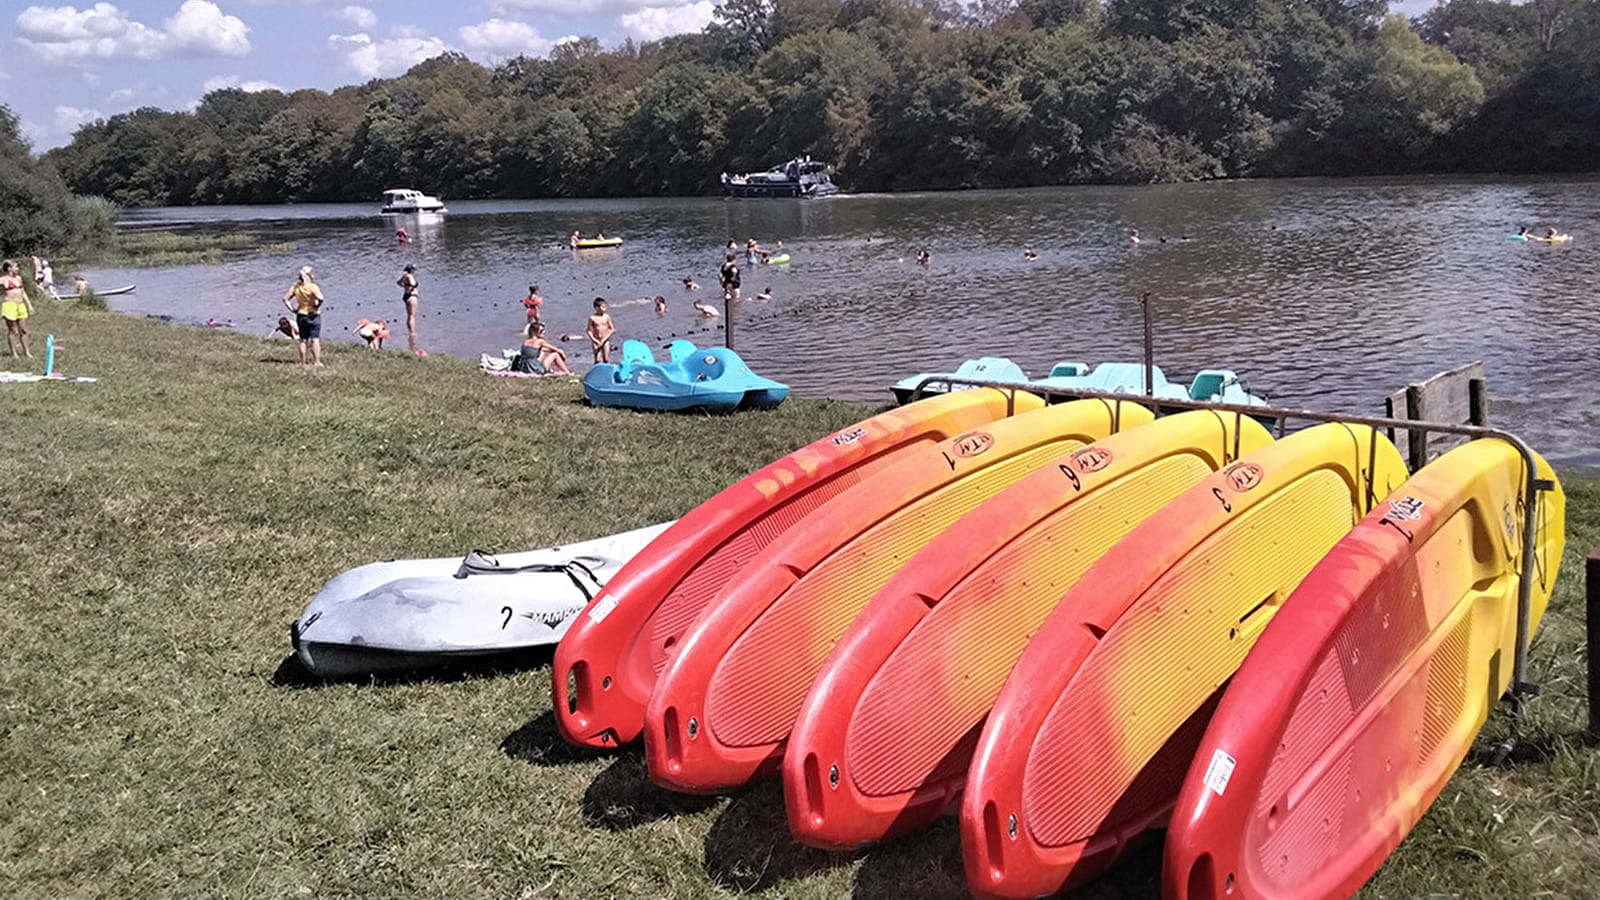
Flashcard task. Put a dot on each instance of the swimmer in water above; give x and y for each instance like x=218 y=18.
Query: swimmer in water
x=705 y=310
x=765 y=295
x=1029 y=255
x=924 y=258
x=1133 y=236
x=689 y=284
x=661 y=305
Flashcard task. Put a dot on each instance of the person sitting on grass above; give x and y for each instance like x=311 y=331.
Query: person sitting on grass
x=551 y=357
x=373 y=333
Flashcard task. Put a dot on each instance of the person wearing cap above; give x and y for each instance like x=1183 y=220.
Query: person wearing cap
x=304 y=299
x=408 y=296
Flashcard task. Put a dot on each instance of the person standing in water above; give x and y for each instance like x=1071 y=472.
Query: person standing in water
x=304 y=299
x=15 y=307
x=532 y=302
x=600 y=329
x=408 y=296
x=729 y=273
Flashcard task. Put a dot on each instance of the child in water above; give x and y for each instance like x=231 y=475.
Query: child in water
x=373 y=333
x=661 y=305
x=600 y=329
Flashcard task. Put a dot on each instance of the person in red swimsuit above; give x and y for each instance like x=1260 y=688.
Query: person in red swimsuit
x=533 y=301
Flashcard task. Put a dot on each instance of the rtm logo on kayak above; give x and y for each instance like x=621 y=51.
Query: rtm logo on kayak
x=1091 y=459
x=1244 y=476
x=1406 y=509
x=973 y=443
x=847 y=437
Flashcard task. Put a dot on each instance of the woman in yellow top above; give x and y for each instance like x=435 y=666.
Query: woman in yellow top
x=304 y=299
x=15 y=307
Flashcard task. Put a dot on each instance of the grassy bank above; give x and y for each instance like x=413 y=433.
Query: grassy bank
x=140 y=247
x=165 y=524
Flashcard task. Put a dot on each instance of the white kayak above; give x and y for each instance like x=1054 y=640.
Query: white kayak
x=412 y=614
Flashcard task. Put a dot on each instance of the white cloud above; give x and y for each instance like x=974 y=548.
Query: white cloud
x=66 y=34
x=121 y=95
x=358 y=17
x=587 y=8
x=92 y=79
x=372 y=59
x=201 y=28
x=501 y=38
x=68 y=118
x=218 y=82
x=655 y=23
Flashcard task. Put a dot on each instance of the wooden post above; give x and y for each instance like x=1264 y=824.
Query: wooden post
x=1592 y=579
x=1149 y=348
x=1416 y=409
x=1478 y=398
x=729 y=301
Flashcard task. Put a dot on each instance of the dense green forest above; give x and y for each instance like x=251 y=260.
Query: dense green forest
x=908 y=94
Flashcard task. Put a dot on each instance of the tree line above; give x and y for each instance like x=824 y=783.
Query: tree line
x=907 y=95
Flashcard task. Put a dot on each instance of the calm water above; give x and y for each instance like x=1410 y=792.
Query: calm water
x=1324 y=294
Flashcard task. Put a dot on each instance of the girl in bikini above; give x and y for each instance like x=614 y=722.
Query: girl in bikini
x=15 y=307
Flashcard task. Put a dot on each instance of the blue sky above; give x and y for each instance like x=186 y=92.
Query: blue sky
x=68 y=65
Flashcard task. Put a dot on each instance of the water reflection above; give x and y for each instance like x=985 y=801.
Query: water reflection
x=1321 y=293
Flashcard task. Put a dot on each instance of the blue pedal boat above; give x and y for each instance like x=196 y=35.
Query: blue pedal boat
x=1209 y=385
x=711 y=378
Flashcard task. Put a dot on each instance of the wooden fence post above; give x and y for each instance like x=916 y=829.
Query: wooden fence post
x=1592 y=580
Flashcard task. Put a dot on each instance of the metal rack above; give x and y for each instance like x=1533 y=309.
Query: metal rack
x=1533 y=487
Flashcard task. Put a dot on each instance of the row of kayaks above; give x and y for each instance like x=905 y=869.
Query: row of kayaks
x=1209 y=385
x=713 y=379
x=1541 y=238
x=1071 y=625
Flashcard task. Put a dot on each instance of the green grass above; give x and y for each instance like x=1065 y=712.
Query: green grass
x=164 y=525
x=171 y=248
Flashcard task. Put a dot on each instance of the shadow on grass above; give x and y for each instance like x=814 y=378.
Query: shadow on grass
x=539 y=741
x=928 y=864
x=623 y=797
x=749 y=847
x=292 y=673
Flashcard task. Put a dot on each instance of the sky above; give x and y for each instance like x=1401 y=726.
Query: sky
x=70 y=65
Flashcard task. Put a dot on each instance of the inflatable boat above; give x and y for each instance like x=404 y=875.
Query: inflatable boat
x=404 y=615
x=713 y=379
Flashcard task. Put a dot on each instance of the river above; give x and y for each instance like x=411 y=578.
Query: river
x=1321 y=293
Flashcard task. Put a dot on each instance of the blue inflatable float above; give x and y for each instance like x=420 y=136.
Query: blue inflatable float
x=711 y=378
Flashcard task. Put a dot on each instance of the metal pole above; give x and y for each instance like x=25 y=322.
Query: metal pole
x=1149 y=348
x=1592 y=578
x=729 y=298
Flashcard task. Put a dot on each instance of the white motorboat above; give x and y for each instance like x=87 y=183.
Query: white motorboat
x=406 y=200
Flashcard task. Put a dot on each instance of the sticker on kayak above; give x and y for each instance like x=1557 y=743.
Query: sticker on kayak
x=973 y=443
x=602 y=608
x=1091 y=459
x=1406 y=509
x=1219 y=772
x=847 y=437
x=1244 y=476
